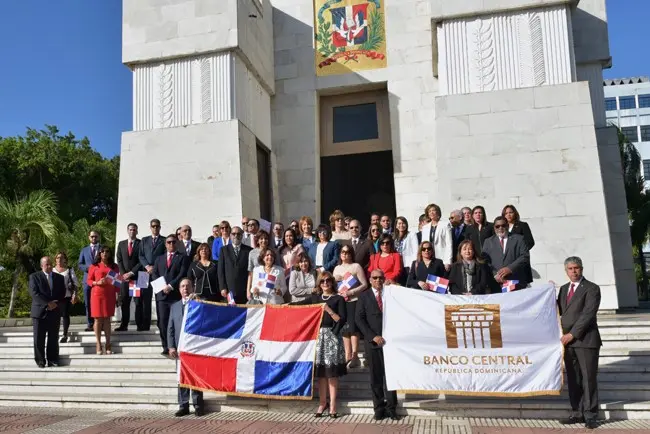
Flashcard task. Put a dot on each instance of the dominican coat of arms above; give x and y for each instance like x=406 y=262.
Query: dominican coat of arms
x=349 y=35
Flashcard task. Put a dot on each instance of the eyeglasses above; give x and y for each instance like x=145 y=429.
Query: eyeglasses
x=346 y=252
x=251 y=224
x=377 y=278
x=354 y=227
x=374 y=230
x=385 y=243
x=236 y=234
x=170 y=242
x=155 y=226
x=328 y=280
x=224 y=227
x=427 y=249
x=499 y=226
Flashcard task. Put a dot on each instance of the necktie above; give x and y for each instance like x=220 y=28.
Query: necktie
x=188 y=247
x=572 y=290
x=92 y=251
x=130 y=247
x=237 y=252
x=169 y=259
x=49 y=282
x=153 y=241
x=380 y=303
x=501 y=241
x=354 y=242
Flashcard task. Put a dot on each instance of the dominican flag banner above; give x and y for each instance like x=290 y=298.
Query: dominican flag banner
x=114 y=279
x=268 y=279
x=438 y=284
x=134 y=291
x=509 y=285
x=231 y=299
x=349 y=281
x=265 y=352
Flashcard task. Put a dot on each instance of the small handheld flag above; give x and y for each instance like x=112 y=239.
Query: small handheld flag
x=231 y=299
x=349 y=281
x=134 y=291
x=114 y=279
x=268 y=279
x=509 y=285
x=437 y=284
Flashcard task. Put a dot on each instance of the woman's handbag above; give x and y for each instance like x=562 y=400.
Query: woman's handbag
x=254 y=301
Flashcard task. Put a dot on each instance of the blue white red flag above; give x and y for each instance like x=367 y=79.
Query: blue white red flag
x=114 y=279
x=437 y=284
x=268 y=279
x=134 y=291
x=509 y=285
x=231 y=299
x=349 y=281
x=252 y=351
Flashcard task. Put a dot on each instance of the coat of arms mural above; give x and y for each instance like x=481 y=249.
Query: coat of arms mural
x=349 y=35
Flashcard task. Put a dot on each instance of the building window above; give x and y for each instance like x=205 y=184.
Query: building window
x=610 y=104
x=627 y=102
x=630 y=133
x=644 y=101
x=355 y=122
x=264 y=182
x=645 y=134
x=646 y=169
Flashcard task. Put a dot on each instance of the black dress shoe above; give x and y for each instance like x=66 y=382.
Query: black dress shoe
x=591 y=424
x=198 y=411
x=41 y=365
x=379 y=415
x=121 y=329
x=63 y=340
x=182 y=412
x=165 y=353
x=572 y=420
x=52 y=364
x=392 y=415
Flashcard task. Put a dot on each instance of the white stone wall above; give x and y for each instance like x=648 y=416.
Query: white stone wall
x=186 y=175
x=255 y=40
x=537 y=149
x=252 y=102
x=454 y=9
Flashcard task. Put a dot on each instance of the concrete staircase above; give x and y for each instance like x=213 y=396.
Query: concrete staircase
x=137 y=376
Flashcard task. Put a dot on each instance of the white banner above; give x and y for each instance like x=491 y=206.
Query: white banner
x=483 y=345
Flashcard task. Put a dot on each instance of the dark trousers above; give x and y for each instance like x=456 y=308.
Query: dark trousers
x=48 y=326
x=125 y=301
x=582 y=371
x=163 y=308
x=89 y=318
x=184 y=398
x=66 y=306
x=143 y=309
x=382 y=399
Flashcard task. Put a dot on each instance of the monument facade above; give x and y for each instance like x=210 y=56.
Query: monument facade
x=283 y=108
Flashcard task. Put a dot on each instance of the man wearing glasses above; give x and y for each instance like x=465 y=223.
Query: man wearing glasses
x=369 y=320
x=507 y=255
x=87 y=257
x=248 y=238
x=232 y=269
x=363 y=248
x=151 y=247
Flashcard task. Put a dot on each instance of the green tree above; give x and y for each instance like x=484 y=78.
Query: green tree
x=638 y=203
x=26 y=227
x=85 y=183
x=71 y=242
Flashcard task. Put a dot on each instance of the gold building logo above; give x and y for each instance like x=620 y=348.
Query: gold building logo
x=473 y=326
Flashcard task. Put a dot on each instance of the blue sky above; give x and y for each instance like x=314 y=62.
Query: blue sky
x=61 y=64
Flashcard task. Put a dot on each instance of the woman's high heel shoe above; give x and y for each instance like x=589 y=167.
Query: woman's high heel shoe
x=109 y=351
x=319 y=412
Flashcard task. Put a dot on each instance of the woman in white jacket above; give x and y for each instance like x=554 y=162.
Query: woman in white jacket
x=268 y=282
x=439 y=234
x=406 y=244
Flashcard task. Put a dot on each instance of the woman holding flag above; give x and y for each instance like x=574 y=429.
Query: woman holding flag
x=351 y=281
x=424 y=266
x=268 y=282
x=103 y=278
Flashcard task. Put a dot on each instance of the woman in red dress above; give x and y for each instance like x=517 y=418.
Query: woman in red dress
x=103 y=296
x=387 y=260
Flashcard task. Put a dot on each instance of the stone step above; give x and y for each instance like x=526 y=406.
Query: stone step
x=128 y=336
x=86 y=348
x=92 y=388
x=93 y=360
x=68 y=398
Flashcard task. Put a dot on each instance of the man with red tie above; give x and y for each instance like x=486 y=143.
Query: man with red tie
x=578 y=302
x=128 y=261
x=173 y=266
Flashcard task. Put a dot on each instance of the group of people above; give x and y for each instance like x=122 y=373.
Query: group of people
x=334 y=264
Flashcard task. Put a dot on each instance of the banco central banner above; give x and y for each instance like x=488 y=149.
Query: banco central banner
x=482 y=345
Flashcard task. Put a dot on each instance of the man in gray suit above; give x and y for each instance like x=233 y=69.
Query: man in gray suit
x=578 y=301
x=174 y=329
x=507 y=255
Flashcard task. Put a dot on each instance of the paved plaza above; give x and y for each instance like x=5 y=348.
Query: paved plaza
x=60 y=421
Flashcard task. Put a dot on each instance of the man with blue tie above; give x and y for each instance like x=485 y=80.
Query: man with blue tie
x=86 y=259
x=47 y=290
x=174 y=328
x=151 y=247
x=459 y=232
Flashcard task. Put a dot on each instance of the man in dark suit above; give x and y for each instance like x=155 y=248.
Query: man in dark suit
x=362 y=247
x=173 y=267
x=369 y=320
x=578 y=302
x=188 y=246
x=215 y=234
x=173 y=339
x=151 y=247
x=507 y=255
x=459 y=232
x=47 y=290
x=277 y=237
x=128 y=260
x=248 y=238
x=233 y=267
x=87 y=258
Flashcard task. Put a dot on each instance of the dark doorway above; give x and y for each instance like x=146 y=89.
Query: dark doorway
x=358 y=185
x=264 y=181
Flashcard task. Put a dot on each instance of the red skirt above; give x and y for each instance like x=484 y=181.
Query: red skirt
x=102 y=301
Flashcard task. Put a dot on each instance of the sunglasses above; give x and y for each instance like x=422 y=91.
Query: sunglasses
x=236 y=234
x=155 y=226
x=170 y=242
x=328 y=280
x=94 y=236
x=427 y=249
x=499 y=226
x=224 y=227
x=354 y=227
x=346 y=252
x=385 y=243
x=374 y=230
x=377 y=278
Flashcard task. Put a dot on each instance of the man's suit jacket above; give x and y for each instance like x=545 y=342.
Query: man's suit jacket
x=515 y=257
x=173 y=275
x=274 y=244
x=579 y=316
x=362 y=251
x=86 y=260
x=466 y=233
x=233 y=271
x=194 y=246
x=129 y=263
x=175 y=324
x=39 y=289
x=330 y=255
x=368 y=317
x=149 y=251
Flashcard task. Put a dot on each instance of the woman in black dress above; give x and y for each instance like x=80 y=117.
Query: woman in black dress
x=516 y=226
x=484 y=229
x=203 y=274
x=330 y=353
x=469 y=274
x=426 y=264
